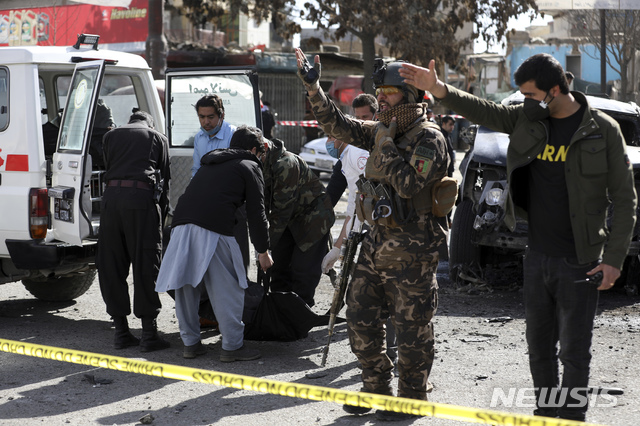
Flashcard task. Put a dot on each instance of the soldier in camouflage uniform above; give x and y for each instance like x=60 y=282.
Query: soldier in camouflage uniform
x=395 y=273
x=300 y=217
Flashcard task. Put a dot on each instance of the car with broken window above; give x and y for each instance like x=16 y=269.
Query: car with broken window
x=479 y=241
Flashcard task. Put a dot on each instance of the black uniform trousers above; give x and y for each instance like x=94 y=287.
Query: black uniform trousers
x=130 y=234
x=296 y=270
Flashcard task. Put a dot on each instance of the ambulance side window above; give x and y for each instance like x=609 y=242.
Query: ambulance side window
x=43 y=101
x=4 y=98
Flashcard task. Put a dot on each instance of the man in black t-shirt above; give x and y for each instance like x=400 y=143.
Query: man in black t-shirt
x=551 y=232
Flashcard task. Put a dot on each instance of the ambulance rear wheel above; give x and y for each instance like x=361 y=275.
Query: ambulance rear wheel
x=60 y=289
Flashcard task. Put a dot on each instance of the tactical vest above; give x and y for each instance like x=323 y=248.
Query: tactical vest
x=400 y=210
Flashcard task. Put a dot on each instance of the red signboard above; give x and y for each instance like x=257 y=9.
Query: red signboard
x=60 y=25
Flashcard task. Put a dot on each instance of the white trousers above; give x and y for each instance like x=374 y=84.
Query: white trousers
x=225 y=295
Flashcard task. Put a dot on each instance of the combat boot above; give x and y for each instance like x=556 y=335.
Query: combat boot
x=123 y=338
x=150 y=340
x=394 y=416
x=358 y=410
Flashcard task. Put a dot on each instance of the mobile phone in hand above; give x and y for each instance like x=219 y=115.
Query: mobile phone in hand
x=595 y=279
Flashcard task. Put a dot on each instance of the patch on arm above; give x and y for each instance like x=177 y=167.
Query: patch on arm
x=422 y=159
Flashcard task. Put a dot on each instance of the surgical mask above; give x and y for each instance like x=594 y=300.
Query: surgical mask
x=536 y=110
x=213 y=131
x=332 y=150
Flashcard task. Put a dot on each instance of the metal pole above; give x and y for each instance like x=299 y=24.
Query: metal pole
x=603 y=52
x=156 y=44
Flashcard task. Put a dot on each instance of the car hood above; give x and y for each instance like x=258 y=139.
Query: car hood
x=634 y=156
x=320 y=145
x=490 y=147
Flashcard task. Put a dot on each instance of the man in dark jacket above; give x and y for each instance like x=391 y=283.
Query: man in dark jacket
x=134 y=205
x=448 y=123
x=300 y=218
x=203 y=248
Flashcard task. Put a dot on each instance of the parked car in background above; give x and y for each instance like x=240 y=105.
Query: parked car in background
x=479 y=239
x=316 y=156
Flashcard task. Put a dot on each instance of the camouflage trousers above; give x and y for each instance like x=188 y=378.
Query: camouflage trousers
x=395 y=276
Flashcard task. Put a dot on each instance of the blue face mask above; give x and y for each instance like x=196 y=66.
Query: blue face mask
x=332 y=150
x=213 y=131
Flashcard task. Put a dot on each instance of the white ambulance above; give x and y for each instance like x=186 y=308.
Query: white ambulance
x=55 y=105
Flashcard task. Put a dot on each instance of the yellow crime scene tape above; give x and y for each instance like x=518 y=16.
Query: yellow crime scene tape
x=295 y=390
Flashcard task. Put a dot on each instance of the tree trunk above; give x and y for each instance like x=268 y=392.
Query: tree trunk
x=156 y=45
x=368 y=56
x=624 y=81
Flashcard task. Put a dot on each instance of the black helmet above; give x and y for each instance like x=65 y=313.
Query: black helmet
x=388 y=75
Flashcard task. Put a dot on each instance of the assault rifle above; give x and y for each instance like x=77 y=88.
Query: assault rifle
x=348 y=254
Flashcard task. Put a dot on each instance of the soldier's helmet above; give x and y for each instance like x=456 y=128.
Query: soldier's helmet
x=386 y=74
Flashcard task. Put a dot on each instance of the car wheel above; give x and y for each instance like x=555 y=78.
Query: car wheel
x=630 y=276
x=60 y=289
x=462 y=252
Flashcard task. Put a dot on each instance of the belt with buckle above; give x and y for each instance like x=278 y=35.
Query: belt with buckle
x=130 y=184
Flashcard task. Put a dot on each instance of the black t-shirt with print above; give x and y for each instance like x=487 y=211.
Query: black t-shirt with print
x=549 y=219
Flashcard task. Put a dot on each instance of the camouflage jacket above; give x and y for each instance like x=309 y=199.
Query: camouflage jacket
x=294 y=198
x=412 y=168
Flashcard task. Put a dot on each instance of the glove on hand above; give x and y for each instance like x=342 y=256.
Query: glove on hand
x=386 y=134
x=330 y=259
x=310 y=76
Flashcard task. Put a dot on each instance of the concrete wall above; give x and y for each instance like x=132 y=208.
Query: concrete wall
x=589 y=59
x=591 y=65
x=520 y=53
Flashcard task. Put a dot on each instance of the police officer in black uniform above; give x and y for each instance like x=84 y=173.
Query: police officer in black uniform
x=134 y=205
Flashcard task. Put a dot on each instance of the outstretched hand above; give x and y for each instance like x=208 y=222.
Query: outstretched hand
x=424 y=78
x=310 y=76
